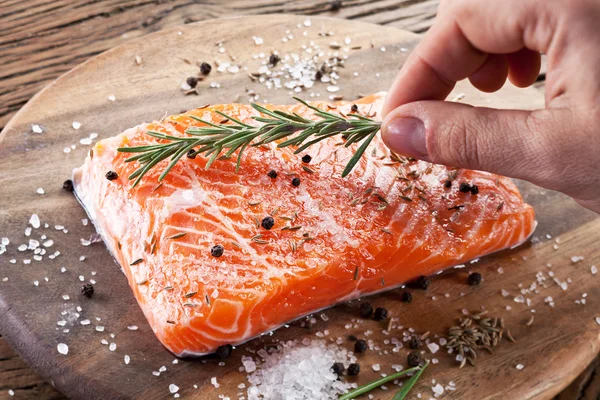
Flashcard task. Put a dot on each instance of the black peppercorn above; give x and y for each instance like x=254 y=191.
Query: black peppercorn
x=111 y=175
x=192 y=81
x=336 y=5
x=338 y=368
x=366 y=310
x=205 y=68
x=354 y=108
x=224 y=351
x=191 y=154
x=414 y=343
x=352 y=338
x=272 y=174
x=274 y=59
x=474 y=279
x=381 y=314
x=318 y=75
x=306 y=158
x=448 y=184
x=406 y=297
x=421 y=282
x=413 y=359
x=353 y=369
x=360 y=346
x=87 y=290
x=267 y=222
x=464 y=187
x=474 y=189
x=217 y=250
x=68 y=185
x=296 y=182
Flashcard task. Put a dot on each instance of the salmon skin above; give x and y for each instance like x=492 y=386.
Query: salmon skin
x=334 y=239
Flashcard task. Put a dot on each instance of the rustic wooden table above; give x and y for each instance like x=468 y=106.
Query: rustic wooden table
x=41 y=39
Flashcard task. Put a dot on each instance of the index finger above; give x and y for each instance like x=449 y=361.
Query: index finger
x=459 y=42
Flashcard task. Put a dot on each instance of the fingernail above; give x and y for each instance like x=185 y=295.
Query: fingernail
x=406 y=136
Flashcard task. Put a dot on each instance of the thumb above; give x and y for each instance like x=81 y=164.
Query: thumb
x=520 y=144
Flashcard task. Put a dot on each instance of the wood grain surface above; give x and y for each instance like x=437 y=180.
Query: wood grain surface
x=40 y=40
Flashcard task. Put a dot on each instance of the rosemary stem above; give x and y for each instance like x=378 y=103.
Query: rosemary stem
x=375 y=384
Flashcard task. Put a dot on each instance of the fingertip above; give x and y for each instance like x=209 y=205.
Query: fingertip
x=492 y=75
x=524 y=67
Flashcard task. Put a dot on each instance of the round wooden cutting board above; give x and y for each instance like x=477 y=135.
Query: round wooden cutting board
x=40 y=301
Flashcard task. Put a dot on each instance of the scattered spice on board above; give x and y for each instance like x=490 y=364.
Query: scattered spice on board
x=413 y=359
x=68 y=185
x=360 y=346
x=474 y=279
x=473 y=332
x=406 y=297
x=381 y=314
x=366 y=310
x=421 y=282
x=87 y=290
x=353 y=369
x=205 y=68
x=223 y=352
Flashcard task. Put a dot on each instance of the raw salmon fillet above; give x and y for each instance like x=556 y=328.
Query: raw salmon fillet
x=334 y=239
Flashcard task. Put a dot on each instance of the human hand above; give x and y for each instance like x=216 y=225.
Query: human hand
x=487 y=41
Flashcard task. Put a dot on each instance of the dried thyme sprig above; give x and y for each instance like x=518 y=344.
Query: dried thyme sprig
x=222 y=140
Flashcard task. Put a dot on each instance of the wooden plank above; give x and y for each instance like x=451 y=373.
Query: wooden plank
x=40 y=40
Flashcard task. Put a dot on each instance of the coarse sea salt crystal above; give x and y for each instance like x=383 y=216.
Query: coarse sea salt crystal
x=438 y=390
x=214 y=382
x=173 y=388
x=35 y=128
x=132 y=327
x=376 y=367
x=84 y=322
x=85 y=141
x=257 y=40
x=99 y=328
x=76 y=125
x=126 y=359
x=62 y=348
x=112 y=346
x=112 y=97
x=34 y=221
x=594 y=270
x=40 y=190
x=598 y=320
x=5 y=241
x=11 y=392
x=433 y=347
x=519 y=366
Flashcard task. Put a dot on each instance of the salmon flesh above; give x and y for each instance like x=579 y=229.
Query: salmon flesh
x=333 y=239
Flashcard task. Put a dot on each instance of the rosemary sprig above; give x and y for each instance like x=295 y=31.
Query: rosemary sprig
x=222 y=140
x=376 y=383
